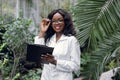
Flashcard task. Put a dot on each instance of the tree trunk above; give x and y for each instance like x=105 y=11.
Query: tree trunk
x=17 y=8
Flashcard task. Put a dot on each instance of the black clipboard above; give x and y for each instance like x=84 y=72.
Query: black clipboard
x=34 y=52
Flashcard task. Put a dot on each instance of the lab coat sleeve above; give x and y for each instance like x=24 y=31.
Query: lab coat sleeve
x=38 y=40
x=74 y=63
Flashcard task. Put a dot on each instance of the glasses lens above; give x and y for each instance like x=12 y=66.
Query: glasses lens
x=58 y=21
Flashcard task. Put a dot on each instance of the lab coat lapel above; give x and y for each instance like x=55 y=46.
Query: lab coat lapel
x=63 y=37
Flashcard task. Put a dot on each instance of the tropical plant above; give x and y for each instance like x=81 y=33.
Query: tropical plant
x=16 y=35
x=99 y=35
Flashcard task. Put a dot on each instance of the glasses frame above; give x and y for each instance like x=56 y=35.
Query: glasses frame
x=57 y=21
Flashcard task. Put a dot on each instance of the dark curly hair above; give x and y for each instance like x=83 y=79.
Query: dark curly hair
x=68 y=29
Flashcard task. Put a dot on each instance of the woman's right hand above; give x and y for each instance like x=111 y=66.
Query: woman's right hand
x=44 y=26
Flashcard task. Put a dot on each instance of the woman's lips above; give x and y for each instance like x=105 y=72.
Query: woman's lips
x=57 y=27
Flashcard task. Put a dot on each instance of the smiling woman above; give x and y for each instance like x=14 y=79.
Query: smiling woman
x=57 y=31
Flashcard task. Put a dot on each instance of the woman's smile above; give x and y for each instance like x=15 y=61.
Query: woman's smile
x=57 y=27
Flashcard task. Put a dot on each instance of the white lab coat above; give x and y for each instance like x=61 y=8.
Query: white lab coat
x=67 y=53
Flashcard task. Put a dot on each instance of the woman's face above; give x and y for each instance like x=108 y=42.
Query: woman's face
x=58 y=23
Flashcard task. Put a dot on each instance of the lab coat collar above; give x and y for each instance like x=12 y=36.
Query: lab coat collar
x=63 y=37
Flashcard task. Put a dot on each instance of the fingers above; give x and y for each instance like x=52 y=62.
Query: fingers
x=44 y=57
x=49 y=58
x=44 y=25
x=46 y=22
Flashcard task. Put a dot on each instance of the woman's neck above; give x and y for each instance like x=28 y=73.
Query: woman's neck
x=58 y=35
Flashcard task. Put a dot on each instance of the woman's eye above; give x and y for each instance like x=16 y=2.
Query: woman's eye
x=53 y=21
x=61 y=20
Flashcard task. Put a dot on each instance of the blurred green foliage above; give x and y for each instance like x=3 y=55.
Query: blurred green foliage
x=13 y=48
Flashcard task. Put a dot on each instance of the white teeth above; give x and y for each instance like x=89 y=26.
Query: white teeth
x=57 y=27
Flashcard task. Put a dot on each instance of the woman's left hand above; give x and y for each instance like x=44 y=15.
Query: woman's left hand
x=49 y=58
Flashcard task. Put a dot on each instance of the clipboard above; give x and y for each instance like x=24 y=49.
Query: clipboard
x=34 y=52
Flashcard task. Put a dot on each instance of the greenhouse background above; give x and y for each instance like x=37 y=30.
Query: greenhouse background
x=97 y=23
x=32 y=9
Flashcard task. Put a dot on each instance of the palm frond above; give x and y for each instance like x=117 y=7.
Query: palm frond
x=99 y=30
x=96 y=19
x=105 y=53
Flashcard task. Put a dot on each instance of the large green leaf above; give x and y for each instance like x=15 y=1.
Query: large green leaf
x=96 y=19
x=104 y=54
x=99 y=33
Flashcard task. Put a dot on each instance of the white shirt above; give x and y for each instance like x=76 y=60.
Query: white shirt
x=66 y=52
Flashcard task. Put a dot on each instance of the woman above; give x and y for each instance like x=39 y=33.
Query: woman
x=57 y=31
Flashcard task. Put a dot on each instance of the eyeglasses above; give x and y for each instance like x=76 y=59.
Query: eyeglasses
x=57 y=21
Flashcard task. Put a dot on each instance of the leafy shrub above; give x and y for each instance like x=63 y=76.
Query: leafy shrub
x=16 y=36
